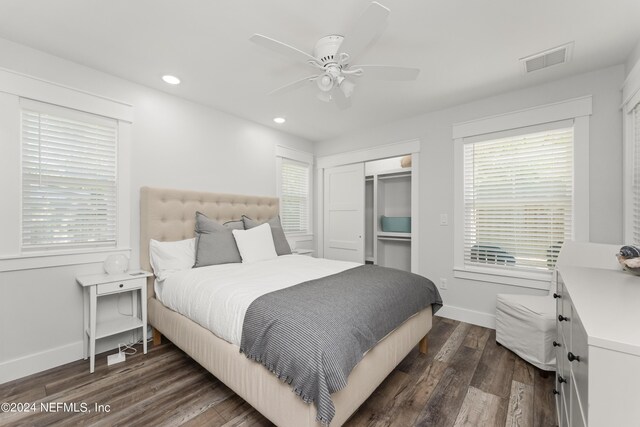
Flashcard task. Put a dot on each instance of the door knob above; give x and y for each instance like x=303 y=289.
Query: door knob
x=573 y=357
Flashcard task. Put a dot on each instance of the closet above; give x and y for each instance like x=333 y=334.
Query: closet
x=369 y=212
x=388 y=213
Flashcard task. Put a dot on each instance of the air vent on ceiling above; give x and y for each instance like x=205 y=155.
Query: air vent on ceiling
x=548 y=58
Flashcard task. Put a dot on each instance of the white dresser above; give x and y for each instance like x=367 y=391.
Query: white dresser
x=598 y=344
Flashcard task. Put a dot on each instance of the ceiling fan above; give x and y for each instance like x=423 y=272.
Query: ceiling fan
x=333 y=58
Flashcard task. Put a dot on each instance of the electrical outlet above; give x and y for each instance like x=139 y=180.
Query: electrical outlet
x=444 y=219
x=119 y=357
x=443 y=283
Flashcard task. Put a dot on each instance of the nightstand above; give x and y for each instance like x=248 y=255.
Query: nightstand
x=307 y=252
x=99 y=285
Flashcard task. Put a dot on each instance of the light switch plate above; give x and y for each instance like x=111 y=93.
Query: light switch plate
x=444 y=219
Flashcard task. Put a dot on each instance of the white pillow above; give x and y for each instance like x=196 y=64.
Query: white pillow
x=169 y=257
x=255 y=244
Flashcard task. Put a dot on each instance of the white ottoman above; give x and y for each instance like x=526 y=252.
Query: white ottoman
x=526 y=325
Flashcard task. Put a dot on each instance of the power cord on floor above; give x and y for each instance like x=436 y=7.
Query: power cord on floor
x=127 y=349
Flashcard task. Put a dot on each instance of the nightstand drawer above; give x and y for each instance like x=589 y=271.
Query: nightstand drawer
x=120 y=286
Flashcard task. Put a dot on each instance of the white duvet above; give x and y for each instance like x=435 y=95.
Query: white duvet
x=217 y=297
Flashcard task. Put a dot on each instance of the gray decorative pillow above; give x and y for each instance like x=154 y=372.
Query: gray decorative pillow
x=279 y=239
x=214 y=242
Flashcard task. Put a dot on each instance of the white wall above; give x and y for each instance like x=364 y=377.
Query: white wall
x=633 y=58
x=475 y=301
x=175 y=144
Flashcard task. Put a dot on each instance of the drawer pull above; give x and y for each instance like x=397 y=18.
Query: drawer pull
x=562 y=318
x=572 y=357
x=121 y=285
x=557 y=344
x=556 y=295
x=555 y=391
x=561 y=380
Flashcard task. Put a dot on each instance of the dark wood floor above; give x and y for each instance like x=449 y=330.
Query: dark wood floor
x=464 y=380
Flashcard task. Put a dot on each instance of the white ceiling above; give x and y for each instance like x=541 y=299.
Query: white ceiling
x=465 y=49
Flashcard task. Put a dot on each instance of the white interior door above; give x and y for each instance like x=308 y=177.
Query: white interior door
x=344 y=212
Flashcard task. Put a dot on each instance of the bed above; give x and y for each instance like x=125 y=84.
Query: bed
x=169 y=215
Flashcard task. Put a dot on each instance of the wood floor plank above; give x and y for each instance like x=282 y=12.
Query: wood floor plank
x=166 y=387
x=78 y=376
x=450 y=347
x=477 y=337
x=495 y=370
x=520 y=412
x=444 y=405
x=210 y=417
x=481 y=409
x=410 y=403
x=523 y=372
x=233 y=406
x=437 y=336
x=544 y=403
x=374 y=408
x=249 y=418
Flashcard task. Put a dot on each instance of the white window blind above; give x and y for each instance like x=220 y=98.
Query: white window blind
x=68 y=179
x=636 y=174
x=518 y=202
x=294 y=196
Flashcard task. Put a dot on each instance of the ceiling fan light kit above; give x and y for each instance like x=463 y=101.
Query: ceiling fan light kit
x=332 y=56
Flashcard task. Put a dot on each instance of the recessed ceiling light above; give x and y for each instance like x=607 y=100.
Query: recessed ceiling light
x=172 y=80
x=279 y=120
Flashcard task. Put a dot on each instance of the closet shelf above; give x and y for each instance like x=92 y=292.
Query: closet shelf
x=387 y=234
x=398 y=173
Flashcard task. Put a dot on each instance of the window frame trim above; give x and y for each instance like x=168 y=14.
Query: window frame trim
x=13 y=87
x=302 y=157
x=578 y=110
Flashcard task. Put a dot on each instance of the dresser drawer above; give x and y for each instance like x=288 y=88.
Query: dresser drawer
x=579 y=368
x=120 y=286
x=577 y=416
x=563 y=310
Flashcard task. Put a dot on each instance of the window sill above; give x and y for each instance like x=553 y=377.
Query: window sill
x=532 y=280
x=27 y=261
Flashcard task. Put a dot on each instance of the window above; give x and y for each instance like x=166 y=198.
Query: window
x=635 y=124
x=69 y=183
x=294 y=196
x=518 y=199
x=631 y=159
x=294 y=189
x=521 y=190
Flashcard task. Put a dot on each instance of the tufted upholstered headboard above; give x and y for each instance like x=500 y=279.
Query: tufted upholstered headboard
x=168 y=215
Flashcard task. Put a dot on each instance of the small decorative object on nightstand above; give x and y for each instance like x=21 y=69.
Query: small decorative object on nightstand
x=116 y=264
x=98 y=285
x=307 y=252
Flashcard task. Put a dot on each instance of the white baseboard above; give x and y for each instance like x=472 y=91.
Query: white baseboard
x=469 y=316
x=38 y=362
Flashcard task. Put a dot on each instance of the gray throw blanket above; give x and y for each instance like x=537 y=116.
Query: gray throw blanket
x=311 y=335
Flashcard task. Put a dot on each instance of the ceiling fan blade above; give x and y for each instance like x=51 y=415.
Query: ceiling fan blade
x=341 y=101
x=366 y=28
x=283 y=49
x=387 y=72
x=294 y=85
